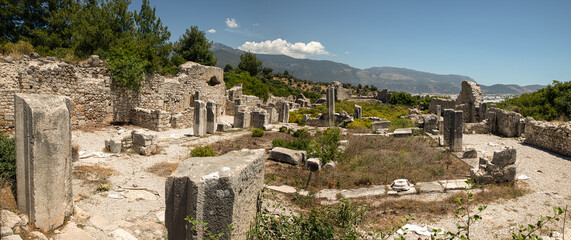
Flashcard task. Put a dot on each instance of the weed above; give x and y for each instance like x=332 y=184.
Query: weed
x=204 y=151
x=7 y=160
x=257 y=132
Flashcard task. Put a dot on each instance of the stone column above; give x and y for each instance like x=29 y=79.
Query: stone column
x=242 y=119
x=358 y=112
x=199 y=127
x=211 y=122
x=440 y=120
x=196 y=95
x=43 y=158
x=453 y=129
x=259 y=119
x=215 y=190
x=330 y=106
x=284 y=114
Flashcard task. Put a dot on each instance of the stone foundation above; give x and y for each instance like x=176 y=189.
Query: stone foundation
x=555 y=137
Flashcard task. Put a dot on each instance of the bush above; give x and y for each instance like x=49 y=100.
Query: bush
x=283 y=129
x=326 y=146
x=401 y=123
x=7 y=160
x=257 y=132
x=360 y=124
x=295 y=144
x=301 y=133
x=127 y=68
x=16 y=49
x=550 y=103
x=205 y=151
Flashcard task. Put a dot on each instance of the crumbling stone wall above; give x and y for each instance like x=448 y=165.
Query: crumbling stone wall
x=94 y=97
x=505 y=123
x=156 y=120
x=444 y=103
x=555 y=137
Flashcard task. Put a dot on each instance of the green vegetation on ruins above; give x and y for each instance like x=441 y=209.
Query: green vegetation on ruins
x=7 y=160
x=550 y=103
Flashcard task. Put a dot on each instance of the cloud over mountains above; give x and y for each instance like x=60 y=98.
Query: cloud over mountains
x=280 y=46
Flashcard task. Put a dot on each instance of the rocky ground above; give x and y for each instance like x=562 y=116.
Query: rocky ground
x=133 y=207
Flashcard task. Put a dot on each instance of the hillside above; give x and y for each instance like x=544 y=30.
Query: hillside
x=395 y=79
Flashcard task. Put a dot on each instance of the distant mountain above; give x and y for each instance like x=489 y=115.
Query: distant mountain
x=394 y=79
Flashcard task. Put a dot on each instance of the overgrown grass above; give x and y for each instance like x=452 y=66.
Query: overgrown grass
x=377 y=160
x=372 y=109
x=204 y=151
x=7 y=160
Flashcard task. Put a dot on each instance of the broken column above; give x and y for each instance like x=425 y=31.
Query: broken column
x=284 y=114
x=358 y=114
x=330 y=106
x=43 y=158
x=272 y=114
x=453 y=129
x=211 y=122
x=259 y=119
x=242 y=119
x=501 y=169
x=199 y=126
x=218 y=191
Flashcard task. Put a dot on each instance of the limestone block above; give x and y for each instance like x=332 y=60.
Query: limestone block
x=144 y=142
x=429 y=187
x=376 y=125
x=216 y=190
x=223 y=127
x=242 y=119
x=9 y=219
x=289 y=156
x=44 y=158
x=313 y=164
x=113 y=145
x=329 y=166
x=211 y=117
x=259 y=119
x=430 y=122
x=504 y=157
x=470 y=153
x=199 y=127
x=402 y=132
x=330 y=106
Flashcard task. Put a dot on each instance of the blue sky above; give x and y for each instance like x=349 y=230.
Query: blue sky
x=510 y=42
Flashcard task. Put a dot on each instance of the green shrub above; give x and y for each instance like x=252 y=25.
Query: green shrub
x=205 y=151
x=19 y=48
x=403 y=98
x=550 y=103
x=325 y=147
x=7 y=160
x=401 y=123
x=257 y=132
x=301 y=133
x=283 y=129
x=360 y=124
x=295 y=144
x=127 y=68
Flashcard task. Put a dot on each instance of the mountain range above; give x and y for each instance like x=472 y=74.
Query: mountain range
x=392 y=78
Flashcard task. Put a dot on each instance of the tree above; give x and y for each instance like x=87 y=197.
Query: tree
x=228 y=68
x=152 y=38
x=249 y=63
x=193 y=46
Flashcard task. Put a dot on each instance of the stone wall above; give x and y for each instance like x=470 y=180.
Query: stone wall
x=94 y=97
x=444 y=103
x=555 y=137
x=156 y=120
x=505 y=123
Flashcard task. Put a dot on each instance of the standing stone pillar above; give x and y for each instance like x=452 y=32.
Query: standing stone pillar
x=211 y=122
x=196 y=95
x=358 y=112
x=440 y=120
x=242 y=119
x=284 y=114
x=199 y=127
x=330 y=97
x=218 y=191
x=43 y=158
x=453 y=129
x=259 y=119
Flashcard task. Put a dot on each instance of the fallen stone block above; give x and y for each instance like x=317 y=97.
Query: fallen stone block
x=313 y=164
x=329 y=166
x=223 y=127
x=144 y=142
x=363 y=192
x=504 y=157
x=218 y=191
x=456 y=184
x=470 y=153
x=429 y=187
x=376 y=125
x=282 y=189
x=289 y=156
x=113 y=145
x=402 y=132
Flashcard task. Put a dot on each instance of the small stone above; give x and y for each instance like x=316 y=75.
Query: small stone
x=121 y=234
x=282 y=189
x=34 y=55
x=80 y=214
x=9 y=219
x=470 y=153
x=313 y=164
x=6 y=231
x=8 y=59
x=329 y=166
x=51 y=58
x=25 y=219
x=38 y=235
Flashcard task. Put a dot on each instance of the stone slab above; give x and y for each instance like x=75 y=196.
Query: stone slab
x=288 y=156
x=429 y=187
x=402 y=132
x=456 y=184
x=364 y=192
x=282 y=189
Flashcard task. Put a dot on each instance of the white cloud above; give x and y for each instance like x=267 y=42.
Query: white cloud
x=231 y=23
x=280 y=46
x=346 y=52
x=212 y=30
x=256 y=24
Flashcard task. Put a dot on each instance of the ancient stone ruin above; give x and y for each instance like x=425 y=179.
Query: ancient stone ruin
x=453 y=129
x=331 y=106
x=43 y=158
x=216 y=190
x=501 y=169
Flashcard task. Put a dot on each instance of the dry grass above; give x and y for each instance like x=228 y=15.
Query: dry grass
x=249 y=142
x=93 y=174
x=7 y=198
x=163 y=169
x=376 y=160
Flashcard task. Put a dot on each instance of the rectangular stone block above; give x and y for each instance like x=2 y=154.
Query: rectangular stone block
x=199 y=127
x=259 y=119
x=284 y=112
x=242 y=119
x=453 y=129
x=376 y=125
x=358 y=114
x=43 y=158
x=272 y=114
x=216 y=190
x=211 y=124
x=330 y=100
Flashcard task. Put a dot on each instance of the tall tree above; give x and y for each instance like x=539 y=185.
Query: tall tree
x=152 y=37
x=249 y=63
x=193 y=46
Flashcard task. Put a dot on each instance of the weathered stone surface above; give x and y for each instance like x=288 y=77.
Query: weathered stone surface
x=430 y=122
x=376 y=125
x=429 y=187
x=358 y=114
x=313 y=164
x=551 y=136
x=72 y=232
x=456 y=184
x=282 y=189
x=471 y=97
x=199 y=127
x=224 y=127
x=402 y=132
x=384 y=95
x=9 y=219
x=453 y=129
x=12 y=237
x=443 y=103
x=330 y=106
x=504 y=157
x=113 y=145
x=289 y=156
x=272 y=114
x=363 y=192
x=38 y=235
x=43 y=158
x=284 y=112
x=34 y=55
x=329 y=166
x=5 y=231
x=144 y=143
x=259 y=119
x=121 y=234
x=505 y=123
x=470 y=153
x=242 y=119
x=216 y=190
x=94 y=61
x=211 y=120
